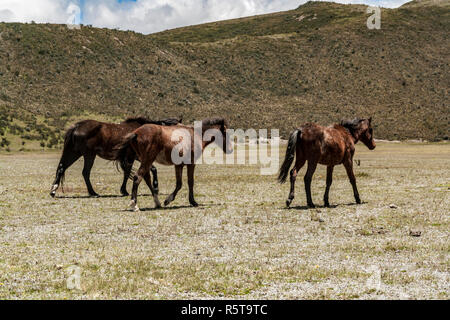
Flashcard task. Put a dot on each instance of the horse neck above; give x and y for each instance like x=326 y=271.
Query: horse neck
x=354 y=134
x=210 y=126
x=204 y=129
x=355 y=137
x=205 y=144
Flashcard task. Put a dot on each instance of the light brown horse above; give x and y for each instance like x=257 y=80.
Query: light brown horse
x=329 y=146
x=178 y=145
x=91 y=138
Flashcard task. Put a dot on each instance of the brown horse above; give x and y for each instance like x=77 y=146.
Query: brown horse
x=90 y=138
x=329 y=146
x=178 y=146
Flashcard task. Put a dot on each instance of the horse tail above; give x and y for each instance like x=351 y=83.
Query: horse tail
x=122 y=152
x=126 y=140
x=68 y=137
x=69 y=145
x=122 y=149
x=290 y=155
x=121 y=162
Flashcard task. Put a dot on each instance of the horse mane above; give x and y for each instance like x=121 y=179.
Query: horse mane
x=144 y=120
x=140 y=120
x=351 y=125
x=215 y=122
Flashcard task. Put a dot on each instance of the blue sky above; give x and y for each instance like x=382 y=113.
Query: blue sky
x=148 y=16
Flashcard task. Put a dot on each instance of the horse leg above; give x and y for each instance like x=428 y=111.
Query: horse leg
x=155 y=179
x=67 y=159
x=190 y=170
x=88 y=163
x=127 y=166
x=349 y=168
x=298 y=165
x=179 y=177
x=136 y=181
x=312 y=165
x=148 y=180
x=329 y=181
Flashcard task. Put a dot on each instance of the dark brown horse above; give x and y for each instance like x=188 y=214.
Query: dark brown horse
x=174 y=146
x=329 y=146
x=91 y=138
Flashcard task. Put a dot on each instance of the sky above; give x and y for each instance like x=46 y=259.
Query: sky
x=148 y=16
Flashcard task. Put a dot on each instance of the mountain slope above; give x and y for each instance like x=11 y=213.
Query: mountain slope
x=316 y=63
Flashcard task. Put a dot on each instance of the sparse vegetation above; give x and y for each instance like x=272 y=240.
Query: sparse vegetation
x=316 y=63
x=240 y=243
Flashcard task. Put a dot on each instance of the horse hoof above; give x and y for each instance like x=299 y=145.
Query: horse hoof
x=311 y=205
x=194 y=204
x=288 y=202
x=94 y=195
x=166 y=203
x=327 y=205
x=133 y=206
x=53 y=191
x=125 y=194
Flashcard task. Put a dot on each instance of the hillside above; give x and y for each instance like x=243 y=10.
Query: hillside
x=318 y=62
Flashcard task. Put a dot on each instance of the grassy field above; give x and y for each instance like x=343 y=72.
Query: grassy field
x=316 y=63
x=241 y=242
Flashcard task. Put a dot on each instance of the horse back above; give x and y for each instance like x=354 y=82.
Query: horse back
x=100 y=138
x=83 y=130
x=155 y=142
x=327 y=145
x=337 y=145
x=147 y=137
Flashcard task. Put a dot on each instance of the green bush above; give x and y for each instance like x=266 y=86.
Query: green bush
x=5 y=142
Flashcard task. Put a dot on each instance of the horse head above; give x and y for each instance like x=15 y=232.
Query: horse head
x=361 y=129
x=222 y=126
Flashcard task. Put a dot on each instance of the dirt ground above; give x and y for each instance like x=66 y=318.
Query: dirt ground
x=240 y=243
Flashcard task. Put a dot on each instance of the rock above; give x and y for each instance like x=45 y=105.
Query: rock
x=393 y=206
x=317 y=218
x=415 y=233
x=380 y=230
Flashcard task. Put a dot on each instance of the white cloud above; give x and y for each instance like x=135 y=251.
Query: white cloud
x=149 y=16
x=155 y=15
x=380 y=3
x=52 y=11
